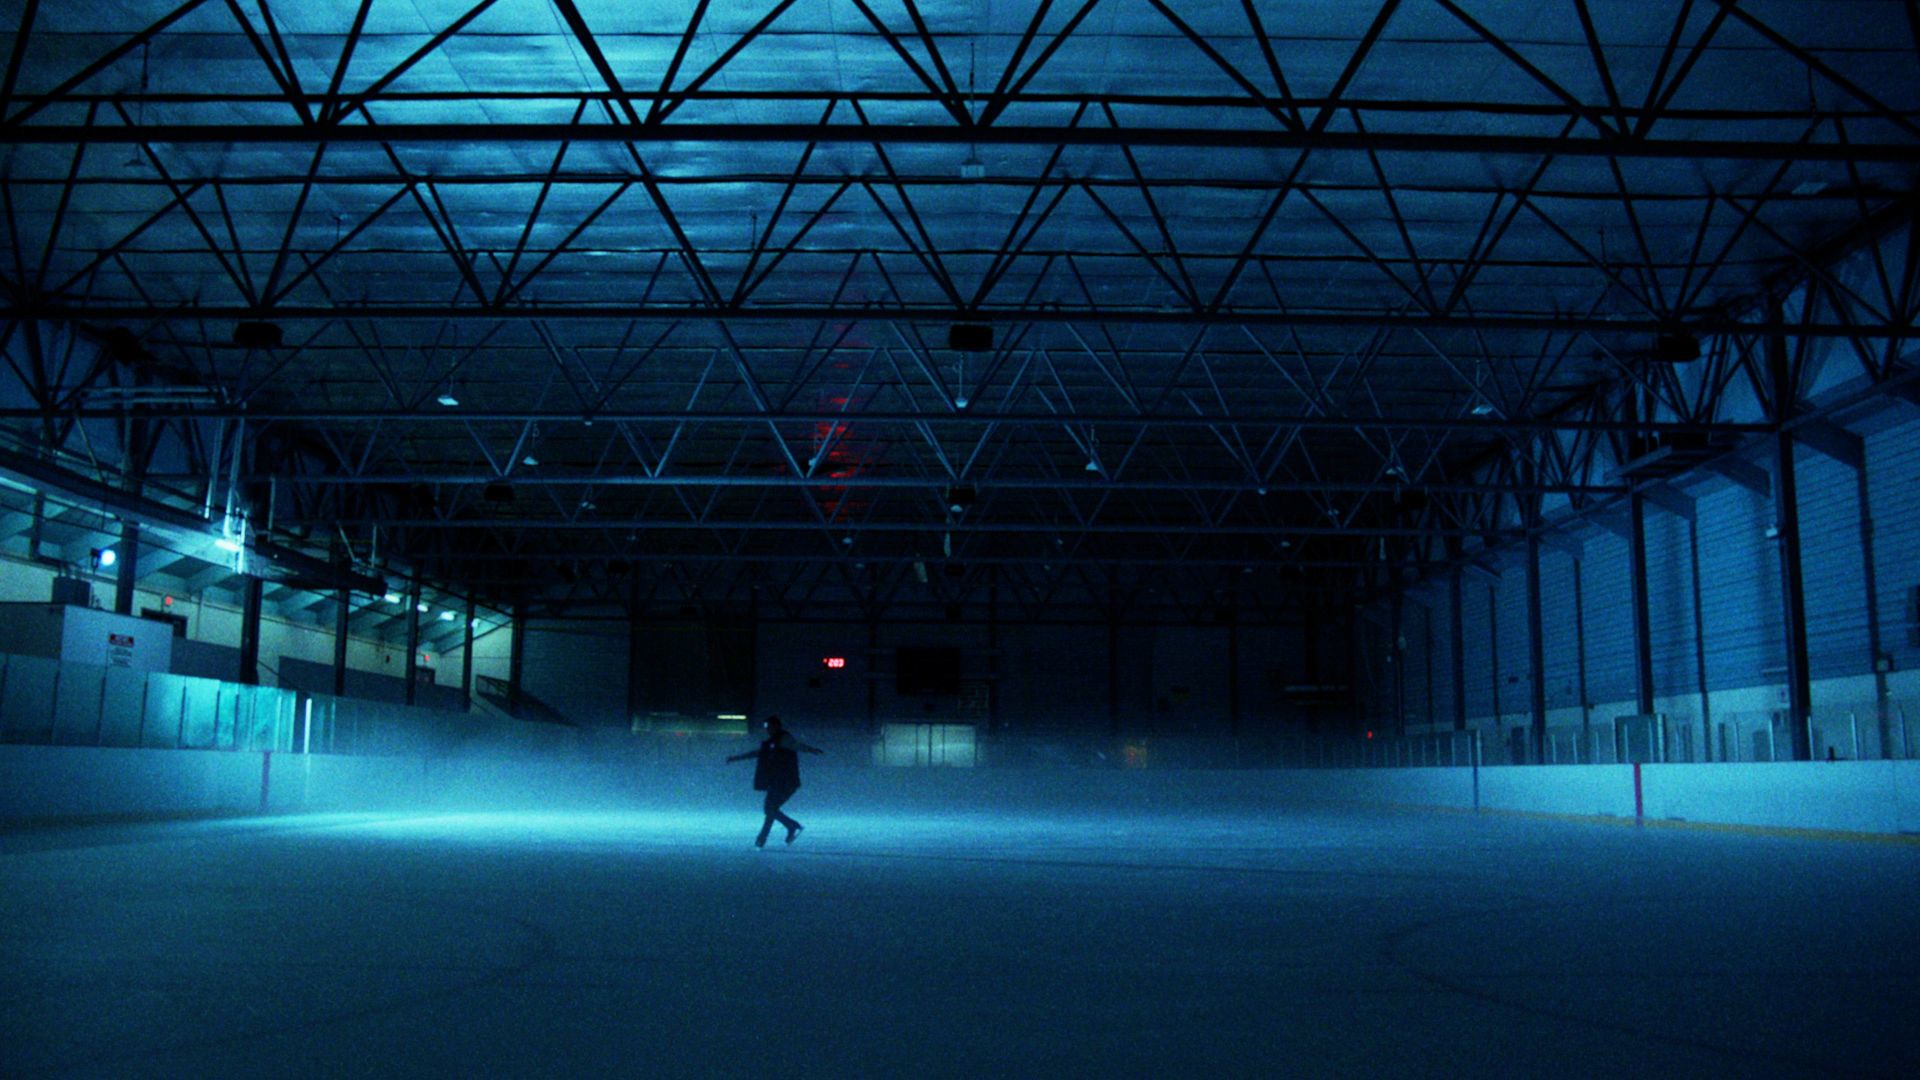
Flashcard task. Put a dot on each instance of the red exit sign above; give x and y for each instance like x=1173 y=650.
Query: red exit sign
x=835 y=662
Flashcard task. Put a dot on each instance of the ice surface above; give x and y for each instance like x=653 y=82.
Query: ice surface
x=1299 y=943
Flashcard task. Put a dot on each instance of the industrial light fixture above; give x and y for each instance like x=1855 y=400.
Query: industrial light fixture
x=104 y=557
x=959 y=498
x=421 y=608
x=228 y=544
x=447 y=616
x=1482 y=407
x=392 y=598
x=448 y=396
x=529 y=460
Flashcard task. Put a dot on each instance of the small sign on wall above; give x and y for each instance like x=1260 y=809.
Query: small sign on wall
x=88 y=636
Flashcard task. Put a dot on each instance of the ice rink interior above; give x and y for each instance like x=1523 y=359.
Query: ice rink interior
x=933 y=937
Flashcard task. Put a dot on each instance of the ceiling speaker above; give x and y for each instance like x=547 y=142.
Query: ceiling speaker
x=970 y=337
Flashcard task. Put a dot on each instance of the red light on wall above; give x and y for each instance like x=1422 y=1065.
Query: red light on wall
x=835 y=662
x=166 y=601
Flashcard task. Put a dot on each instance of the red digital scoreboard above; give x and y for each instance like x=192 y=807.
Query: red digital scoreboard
x=834 y=662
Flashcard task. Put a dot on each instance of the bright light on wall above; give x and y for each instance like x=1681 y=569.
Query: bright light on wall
x=228 y=544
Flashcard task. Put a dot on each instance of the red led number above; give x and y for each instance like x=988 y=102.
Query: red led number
x=834 y=661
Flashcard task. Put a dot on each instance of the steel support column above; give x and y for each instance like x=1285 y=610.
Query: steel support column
x=1493 y=650
x=466 y=663
x=1876 y=646
x=1233 y=674
x=343 y=606
x=1458 y=655
x=1786 y=508
x=993 y=654
x=250 y=630
x=1793 y=599
x=1397 y=656
x=873 y=680
x=1700 y=640
x=1580 y=661
x=413 y=642
x=1536 y=648
x=128 y=567
x=635 y=651
x=1642 y=619
x=516 y=657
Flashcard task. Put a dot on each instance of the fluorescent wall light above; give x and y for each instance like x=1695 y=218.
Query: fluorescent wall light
x=227 y=543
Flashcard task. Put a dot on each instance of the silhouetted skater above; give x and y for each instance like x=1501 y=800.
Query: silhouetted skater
x=777 y=772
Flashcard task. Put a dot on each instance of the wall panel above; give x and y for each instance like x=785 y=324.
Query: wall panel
x=1516 y=662
x=1832 y=566
x=1607 y=591
x=1893 y=470
x=1477 y=626
x=578 y=668
x=1560 y=631
x=1740 y=599
x=1670 y=603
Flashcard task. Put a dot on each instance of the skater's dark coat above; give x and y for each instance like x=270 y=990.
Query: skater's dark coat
x=777 y=772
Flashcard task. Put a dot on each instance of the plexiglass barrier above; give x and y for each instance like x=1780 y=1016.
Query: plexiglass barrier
x=70 y=704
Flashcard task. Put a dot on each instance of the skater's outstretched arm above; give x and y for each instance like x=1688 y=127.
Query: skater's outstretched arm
x=743 y=757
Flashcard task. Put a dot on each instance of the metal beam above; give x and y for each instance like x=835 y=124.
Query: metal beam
x=962 y=417
x=1744 y=473
x=1311 y=139
x=1833 y=441
x=1668 y=498
x=870 y=481
x=1554 y=322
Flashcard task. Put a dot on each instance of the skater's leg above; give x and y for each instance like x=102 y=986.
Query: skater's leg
x=775 y=800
